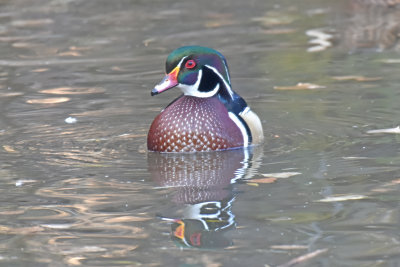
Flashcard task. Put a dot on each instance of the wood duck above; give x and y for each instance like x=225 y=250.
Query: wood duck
x=209 y=115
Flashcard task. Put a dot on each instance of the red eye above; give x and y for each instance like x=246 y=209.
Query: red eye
x=190 y=64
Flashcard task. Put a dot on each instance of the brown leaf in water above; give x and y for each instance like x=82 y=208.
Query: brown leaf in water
x=23 y=45
x=40 y=70
x=20 y=231
x=252 y=184
x=147 y=41
x=397 y=181
x=121 y=219
x=279 y=31
x=387 y=186
x=116 y=68
x=216 y=20
x=73 y=90
x=74 y=261
x=9 y=149
x=124 y=251
x=269 y=180
x=281 y=174
x=356 y=78
x=300 y=86
x=80 y=48
x=288 y=247
x=337 y=198
x=274 y=18
x=70 y=53
x=9 y=94
x=31 y=23
x=54 y=100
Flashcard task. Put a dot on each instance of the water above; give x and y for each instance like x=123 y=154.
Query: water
x=78 y=187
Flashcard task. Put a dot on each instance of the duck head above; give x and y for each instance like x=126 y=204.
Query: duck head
x=197 y=71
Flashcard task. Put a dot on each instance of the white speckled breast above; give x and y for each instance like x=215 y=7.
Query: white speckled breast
x=194 y=124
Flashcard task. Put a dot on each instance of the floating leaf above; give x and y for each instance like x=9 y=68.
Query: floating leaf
x=146 y=42
x=73 y=90
x=10 y=94
x=23 y=45
x=395 y=130
x=218 y=19
x=289 y=247
x=40 y=70
x=274 y=18
x=70 y=53
x=336 y=198
x=387 y=186
x=75 y=261
x=356 y=78
x=32 y=22
x=54 y=100
x=9 y=149
x=80 y=48
x=122 y=219
x=278 y=31
x=280 y=174
x=300 y=86
x=269 y=180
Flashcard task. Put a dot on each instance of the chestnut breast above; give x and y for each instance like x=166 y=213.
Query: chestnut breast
x=194 y=124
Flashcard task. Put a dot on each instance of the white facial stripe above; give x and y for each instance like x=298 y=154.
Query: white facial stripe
x=180 y=62
x=241 y=127
x=191 y=89
x=228 y=87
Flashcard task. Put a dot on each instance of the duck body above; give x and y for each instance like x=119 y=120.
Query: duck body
x=209 y=115
x=192 y=124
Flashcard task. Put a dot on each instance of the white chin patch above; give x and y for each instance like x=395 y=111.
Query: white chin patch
x=192 y=90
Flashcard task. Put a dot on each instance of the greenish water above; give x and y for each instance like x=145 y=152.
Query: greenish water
x=87 y=193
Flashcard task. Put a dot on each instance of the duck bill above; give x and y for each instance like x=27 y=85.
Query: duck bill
x=170 y=80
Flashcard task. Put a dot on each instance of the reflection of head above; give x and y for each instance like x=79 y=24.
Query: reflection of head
x=191 y=233
x=204 y=223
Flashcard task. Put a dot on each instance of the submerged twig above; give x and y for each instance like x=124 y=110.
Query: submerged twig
x=304 y=258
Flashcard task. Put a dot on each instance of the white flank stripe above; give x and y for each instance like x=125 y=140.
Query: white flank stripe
x=241 y=127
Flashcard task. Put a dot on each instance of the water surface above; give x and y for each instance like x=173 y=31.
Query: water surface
x=78 y=187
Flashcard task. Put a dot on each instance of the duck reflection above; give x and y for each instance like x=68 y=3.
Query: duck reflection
x=203 y=184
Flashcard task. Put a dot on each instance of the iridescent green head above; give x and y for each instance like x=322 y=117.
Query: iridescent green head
x=198 y=71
